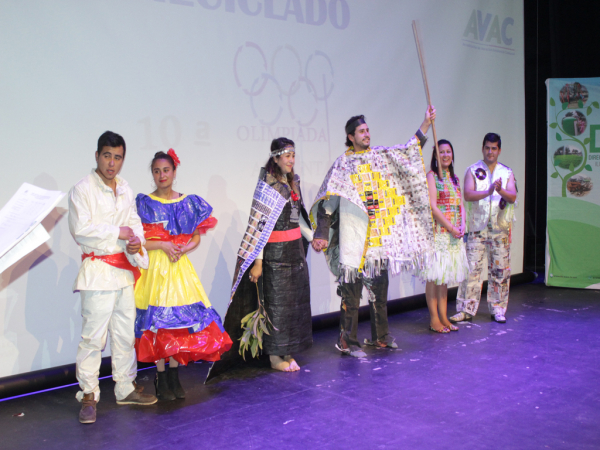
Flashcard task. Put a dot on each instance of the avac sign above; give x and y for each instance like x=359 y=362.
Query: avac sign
x=489 y=32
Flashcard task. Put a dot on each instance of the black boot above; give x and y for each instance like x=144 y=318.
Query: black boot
x=174 y=384
x=162 y=387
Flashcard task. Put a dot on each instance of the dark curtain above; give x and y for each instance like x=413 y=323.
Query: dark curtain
x=561 y=41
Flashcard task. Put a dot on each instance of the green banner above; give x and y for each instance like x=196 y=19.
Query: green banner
x=573 y=221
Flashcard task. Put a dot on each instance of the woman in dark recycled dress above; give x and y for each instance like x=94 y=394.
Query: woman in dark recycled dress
x=271 y=265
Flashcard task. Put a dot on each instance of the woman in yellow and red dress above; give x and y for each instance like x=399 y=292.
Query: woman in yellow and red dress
x=175 y=320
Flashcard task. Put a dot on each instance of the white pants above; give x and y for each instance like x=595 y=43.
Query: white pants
x=105 y=311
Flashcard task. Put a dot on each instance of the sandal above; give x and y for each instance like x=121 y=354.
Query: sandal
x=444 y=330
x=461 y=317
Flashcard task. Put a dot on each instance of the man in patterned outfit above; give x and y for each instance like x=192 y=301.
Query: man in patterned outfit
x=490 y=193
x=372 y=216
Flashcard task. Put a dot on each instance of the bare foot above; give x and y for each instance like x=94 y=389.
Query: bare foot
x=279 y=364
x=294 y=367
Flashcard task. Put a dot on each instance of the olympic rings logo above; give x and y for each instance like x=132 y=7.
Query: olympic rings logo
x=283 y=82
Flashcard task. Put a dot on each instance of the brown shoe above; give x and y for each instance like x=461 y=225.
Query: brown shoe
x=88 y=409
x=138 y=398
x=137 y=387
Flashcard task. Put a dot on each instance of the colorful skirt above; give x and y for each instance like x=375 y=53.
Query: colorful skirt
x=174 y=316
x=449 y=264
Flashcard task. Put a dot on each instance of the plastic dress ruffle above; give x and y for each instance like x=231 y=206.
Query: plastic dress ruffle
x=449 y=264
x=174 y=316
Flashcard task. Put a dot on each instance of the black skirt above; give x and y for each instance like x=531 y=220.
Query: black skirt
x=286 y=298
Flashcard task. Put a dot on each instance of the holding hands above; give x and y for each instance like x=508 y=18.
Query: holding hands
x=126 y=233
x=133 y=245
x=319 y=244
x=256 y=270
x=133 y=242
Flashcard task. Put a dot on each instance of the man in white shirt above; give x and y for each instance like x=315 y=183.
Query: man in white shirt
x=104 y=222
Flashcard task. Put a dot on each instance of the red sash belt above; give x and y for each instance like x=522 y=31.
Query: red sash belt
x=285 y=236
x=118 y=260
x=156 y=231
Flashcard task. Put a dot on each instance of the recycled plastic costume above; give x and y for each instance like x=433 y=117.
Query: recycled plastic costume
x=105 y=280
x=489 y=223
x=278 y=231
x=373 y=209
x=174 y=316
x=450 y=264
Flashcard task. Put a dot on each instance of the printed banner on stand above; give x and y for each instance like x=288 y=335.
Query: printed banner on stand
x=573 y=218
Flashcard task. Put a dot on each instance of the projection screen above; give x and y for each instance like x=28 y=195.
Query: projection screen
x=216 y=80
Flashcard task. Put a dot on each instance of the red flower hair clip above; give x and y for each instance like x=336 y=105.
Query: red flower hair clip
x=173 y=155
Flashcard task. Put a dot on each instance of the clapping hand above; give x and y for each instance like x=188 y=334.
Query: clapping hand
x=495 y=186
x=498 y=185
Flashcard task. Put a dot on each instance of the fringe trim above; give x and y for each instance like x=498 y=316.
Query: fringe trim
x=419 y=262
x=373 y=267
x=347 y=274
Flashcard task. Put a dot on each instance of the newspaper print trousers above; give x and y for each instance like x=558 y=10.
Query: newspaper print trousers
x=497 y=247
x=377 y=290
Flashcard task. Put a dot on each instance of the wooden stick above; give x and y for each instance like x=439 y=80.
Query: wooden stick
x=422 y=62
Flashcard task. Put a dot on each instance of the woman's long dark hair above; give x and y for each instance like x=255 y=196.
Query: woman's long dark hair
x=272 y=166
x=434 y=166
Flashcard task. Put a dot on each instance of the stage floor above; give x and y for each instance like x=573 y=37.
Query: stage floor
x=531 y=383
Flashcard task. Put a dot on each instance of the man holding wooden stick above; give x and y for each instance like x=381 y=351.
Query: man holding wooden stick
x=372 y=216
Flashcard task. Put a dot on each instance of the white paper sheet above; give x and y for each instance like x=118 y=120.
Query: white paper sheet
x=29 y=243
x=20 y=217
